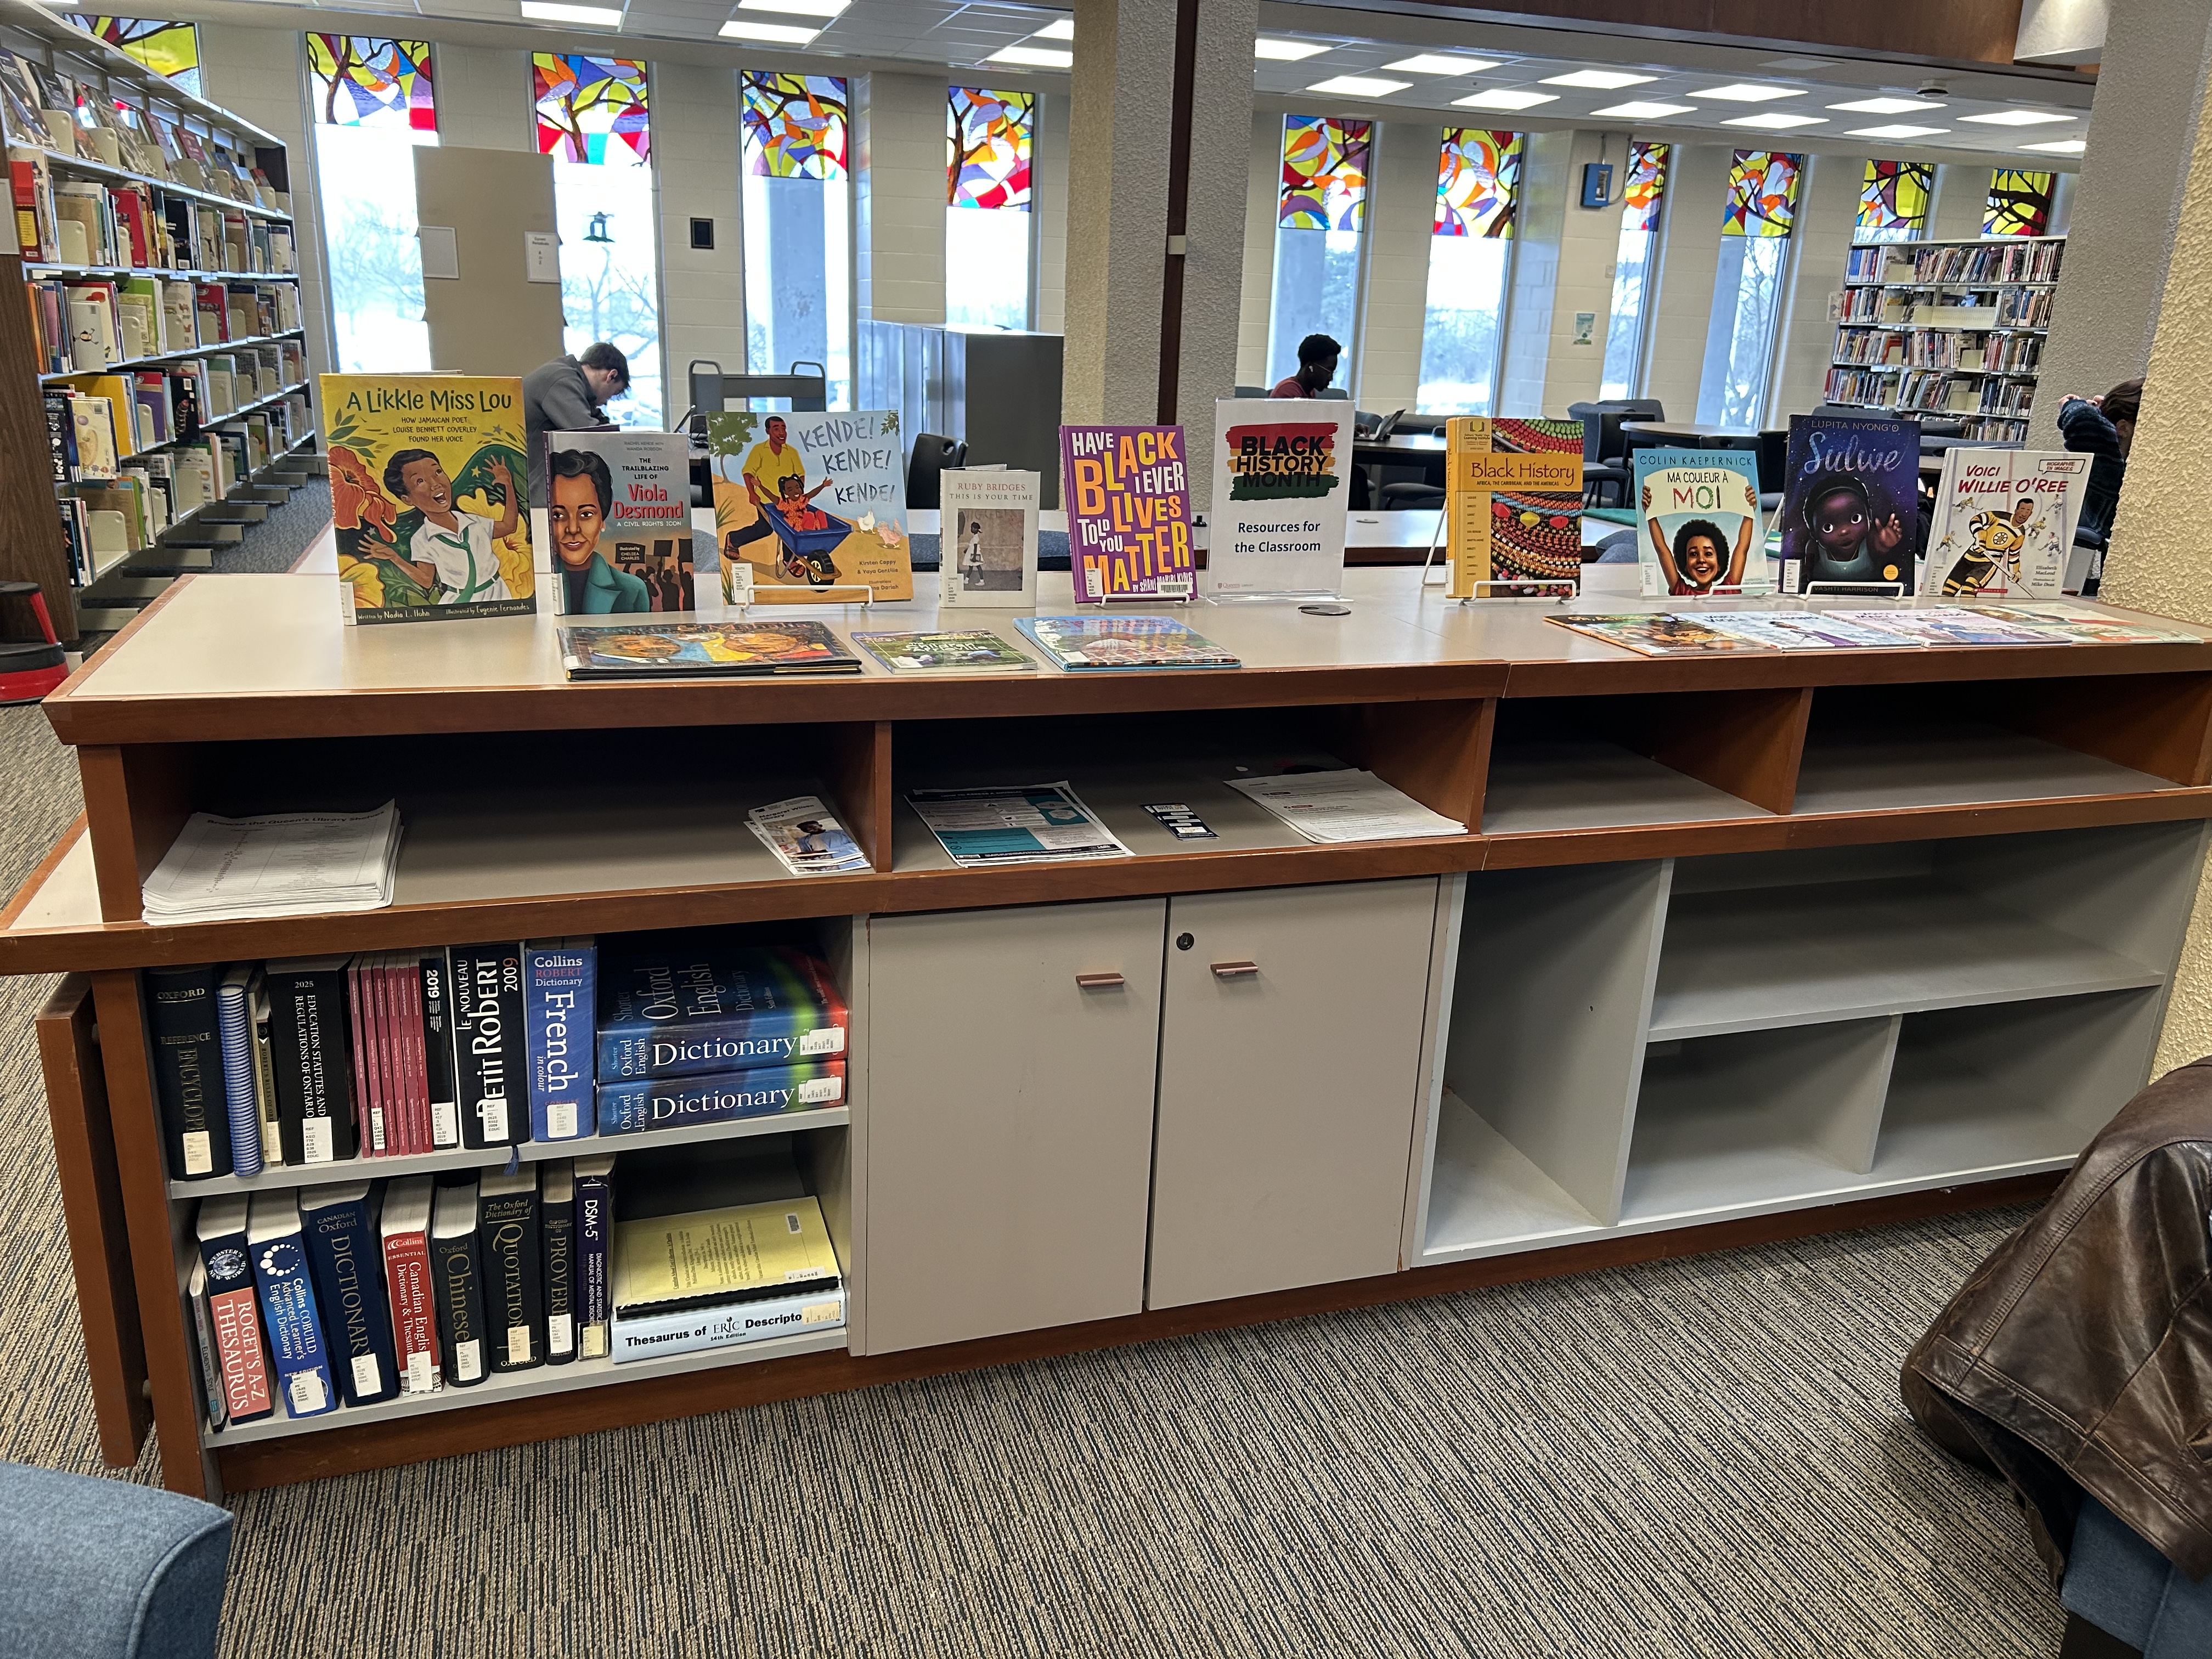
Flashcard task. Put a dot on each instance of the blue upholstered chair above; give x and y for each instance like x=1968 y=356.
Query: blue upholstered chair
x=106 y=1570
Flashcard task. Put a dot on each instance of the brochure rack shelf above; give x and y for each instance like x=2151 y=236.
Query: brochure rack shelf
x=1677 y=977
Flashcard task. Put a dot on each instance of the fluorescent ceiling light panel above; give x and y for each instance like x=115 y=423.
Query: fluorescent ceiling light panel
x=2017 y=118
x=1505 y=97
x=1603 y=80
x=824 y=9
x=1889 y=106
x=1776 y=123
x=1287 y=51
x=545 y=11
x=1430 y=63
x=1062 y=30
x=1632 y=111
x=2061 y=146
x=1359 y=86
x=1897 y=131
x=1746 y=92
x=1034 y=56
x=781 y=34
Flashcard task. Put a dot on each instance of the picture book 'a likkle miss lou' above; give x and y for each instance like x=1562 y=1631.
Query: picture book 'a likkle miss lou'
x=429 y=496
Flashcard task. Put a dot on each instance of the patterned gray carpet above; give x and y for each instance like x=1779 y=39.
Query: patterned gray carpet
x=1694 y=1459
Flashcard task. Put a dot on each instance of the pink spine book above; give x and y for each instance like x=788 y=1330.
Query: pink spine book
x=366 y=1104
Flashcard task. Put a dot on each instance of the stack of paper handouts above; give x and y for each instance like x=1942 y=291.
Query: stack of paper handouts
x=1333 y=806
x=281 y=864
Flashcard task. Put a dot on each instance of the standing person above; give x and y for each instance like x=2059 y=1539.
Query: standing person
x=1317 y=356
x=565 y=395
x=2103 y=428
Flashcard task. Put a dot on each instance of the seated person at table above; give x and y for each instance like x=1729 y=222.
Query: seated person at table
x=2104 y=429
x=796 y=505
x=1317 y=356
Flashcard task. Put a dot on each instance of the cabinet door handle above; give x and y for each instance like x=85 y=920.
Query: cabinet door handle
x=1236 y=969
x=1100 y=981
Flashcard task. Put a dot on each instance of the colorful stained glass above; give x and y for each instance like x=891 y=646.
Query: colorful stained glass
x=361 y=81
x=1762 y=193
x=170 y=50
x=1646 y=185
x=795 y=126
x=1894 y=196
x=1324 y=172
x=2020 y=203
x=590 y=109
x=987 y=144
x=1478 y=183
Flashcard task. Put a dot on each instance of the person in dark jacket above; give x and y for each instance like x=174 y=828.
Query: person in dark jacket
x=2103 y=428
x=565 y=395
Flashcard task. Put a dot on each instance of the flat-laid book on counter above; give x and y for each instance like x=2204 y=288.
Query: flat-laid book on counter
x=1090 y=644
x=740 y=649
x=714 y=1277
x=966 y=651
x=1720 y=632
x=276 y=864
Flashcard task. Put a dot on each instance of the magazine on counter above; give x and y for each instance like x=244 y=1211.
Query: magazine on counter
x=1079 y=644
x=755 y=648
x=969 y=651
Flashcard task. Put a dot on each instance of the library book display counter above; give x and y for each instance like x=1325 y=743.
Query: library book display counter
x=1733 y=949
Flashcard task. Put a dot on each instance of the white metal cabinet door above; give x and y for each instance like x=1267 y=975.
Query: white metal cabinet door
x=1287 y=1092
x=1009 y=1119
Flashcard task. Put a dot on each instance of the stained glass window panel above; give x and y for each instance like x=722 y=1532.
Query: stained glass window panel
x=592 y=110
x=1477 y=180
x=1324 y=174
x=1644 y=187
x=170 y=50
x=1642 y=193
x=988 y=140
x=361 y=81
x=1893 y=200
x=2020 y=203
x=795 y=126
x=1762 y=193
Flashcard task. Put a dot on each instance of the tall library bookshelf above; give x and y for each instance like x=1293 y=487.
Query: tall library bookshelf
x=154 y=239
x=1947 y=328
x=1731 y=950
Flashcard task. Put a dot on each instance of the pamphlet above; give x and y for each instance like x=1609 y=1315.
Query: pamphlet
x=1700 y=527
x=972 y=651
x=1281 y=467
x=1040 y=823
x=1126 y=490
x=989 y=556
x=741 y=647
x=806 y=836
x=814 y=503
x=1080 y=644
x=1347 y=805
x=1514 y=495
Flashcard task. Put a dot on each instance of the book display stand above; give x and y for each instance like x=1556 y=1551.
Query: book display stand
x=1732 y=949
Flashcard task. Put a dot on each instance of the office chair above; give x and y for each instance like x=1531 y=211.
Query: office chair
x=930 y=456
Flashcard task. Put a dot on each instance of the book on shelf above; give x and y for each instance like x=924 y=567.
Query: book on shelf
x=1700 y=522
x=203 y=1343
x=93 y=424
x=629 y=1108
x=714 y=1277
x=258 y=1013
x=310 y=1044
x=429 y=476
x=805 y=837
x=672 y=1011
x=618 y=514
x=296 y=1353
x=512 y=1248
x=595 y=1220
x=182 y=1027
x=748 y=648
x=61 y=434
x=965 y=651
x=814 y=502
x=556 y=1226
x=2004 y=523
x=988 y=541
x=494 y=1064
x=343 y=1229
x=1093 y=644
x=1513 y=510
x=233 y=1309
x=367 y=1062
x=411 y=1289
x=234 y=1029
x=1850 y=504
x=1126 y=490
x=456 y=1278
x=558 y=1008
x=441 y=1072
